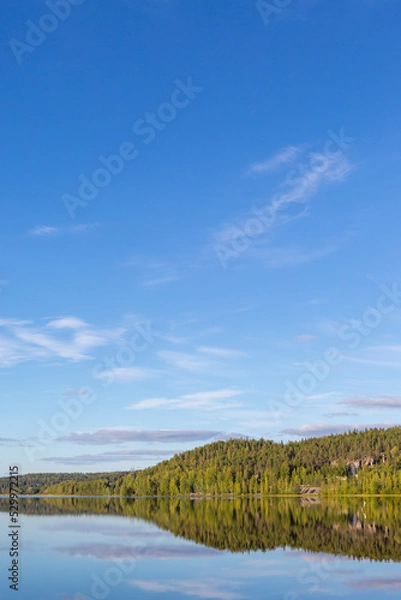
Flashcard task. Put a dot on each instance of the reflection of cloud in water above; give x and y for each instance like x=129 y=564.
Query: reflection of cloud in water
x=109 y=530
x=259 y=568
x=324 y=559
x=388 y=584
x=110 y=551
x=210 y=589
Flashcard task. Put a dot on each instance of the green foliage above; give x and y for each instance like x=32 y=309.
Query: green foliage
x=357 y=527
x=358 y=462
x=59 y=483
x=367 y=462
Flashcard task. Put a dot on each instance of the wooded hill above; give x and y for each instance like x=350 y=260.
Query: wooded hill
x=35 y=483
x=358 y=462
x=340 y=525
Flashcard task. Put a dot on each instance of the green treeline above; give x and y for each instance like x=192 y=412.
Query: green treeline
x=35 y=483
x=351 y=527
x=367 y=462
x=242 y=525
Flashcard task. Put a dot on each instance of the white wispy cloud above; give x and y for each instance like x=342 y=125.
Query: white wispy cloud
x=341 y=414
x=151 y=403
x=208 y=400
x=320 y=429
x=53 y=231
x=67 y=323
x=127 y=374
x=297 y=188
x=68 y=338
x=221 y=352
x=184 y=361
x=379 y=402
x=200 y=589
x=108 y=457
x=119 y=436
x=320 y=169
x=111 y=552
x=292 y=256
x=324 y=395
x=45 y=230
x=5 y=322
x=371 y=361
x=283 y=157
x=386 y=348
x=80 y=392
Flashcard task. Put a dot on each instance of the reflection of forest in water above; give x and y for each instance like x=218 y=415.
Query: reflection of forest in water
x=354 y=527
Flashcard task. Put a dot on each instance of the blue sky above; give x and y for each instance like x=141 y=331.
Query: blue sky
x=200 y=232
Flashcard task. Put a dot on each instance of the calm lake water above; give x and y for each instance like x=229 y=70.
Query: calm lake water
x=123 y=549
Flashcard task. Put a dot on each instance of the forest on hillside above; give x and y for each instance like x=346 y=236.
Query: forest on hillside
x=357 y=462
x=35 y=483
x=339 y=526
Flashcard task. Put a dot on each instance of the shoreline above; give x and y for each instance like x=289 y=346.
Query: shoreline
x=210 y=497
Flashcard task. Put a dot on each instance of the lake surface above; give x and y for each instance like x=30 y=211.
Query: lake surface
x=287 y=549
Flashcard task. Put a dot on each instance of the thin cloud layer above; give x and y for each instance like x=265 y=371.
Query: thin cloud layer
x=292 y=256
x=222 y=352
x=81 y=392
x=118 y=436
x=4 y=441
x=386 y=584
x=69 y=338
x=379 y=402
x=54 y=231
x=199 y=400
x=283 y=157
x=127 y=374
x=297 y=188
x=326 y=428
x=44 y=230
x=107 y=457
x=200 y=589
x=184 y=361
x=67 y=323
x=120 y=551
